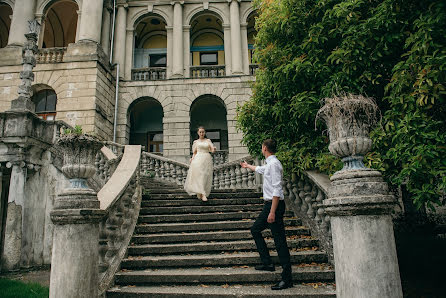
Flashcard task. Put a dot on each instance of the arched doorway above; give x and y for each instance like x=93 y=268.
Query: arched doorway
x=5 y=23
x=60 y=24
x=146 y=124
x=45 y=100
x=210 y=111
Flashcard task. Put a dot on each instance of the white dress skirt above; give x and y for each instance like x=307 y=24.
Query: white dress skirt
x=199 y=175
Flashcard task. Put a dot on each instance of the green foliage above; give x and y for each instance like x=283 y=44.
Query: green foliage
x=77 y=130
x=392 y=50
x=16 y=289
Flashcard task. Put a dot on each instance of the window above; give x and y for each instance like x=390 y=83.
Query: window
x=158 y=60
x=45 y=102
x=155 y=142
x=209 y=58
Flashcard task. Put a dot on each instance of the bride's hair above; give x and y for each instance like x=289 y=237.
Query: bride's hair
x=201 y=127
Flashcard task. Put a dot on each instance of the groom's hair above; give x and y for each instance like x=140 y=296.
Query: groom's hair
x=270 y=145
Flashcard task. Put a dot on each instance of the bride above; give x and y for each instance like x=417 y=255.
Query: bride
x=199 y=176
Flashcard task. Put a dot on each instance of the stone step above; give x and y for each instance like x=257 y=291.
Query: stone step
x=217 y=260
x=216 y=276
x=199 y=209
x=214 y=195
x=211 y=236
x=197 y=202
x=211 y=247
x=201 y=217
x=224 y=291
x=203 y=226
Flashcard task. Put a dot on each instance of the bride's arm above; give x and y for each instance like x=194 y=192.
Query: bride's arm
x=212 y=149
x=194 y=150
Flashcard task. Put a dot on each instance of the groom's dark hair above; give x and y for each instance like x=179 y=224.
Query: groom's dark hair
x=270 y=145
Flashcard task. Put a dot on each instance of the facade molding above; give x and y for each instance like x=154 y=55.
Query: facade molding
x=142 y=12
x=215 y=10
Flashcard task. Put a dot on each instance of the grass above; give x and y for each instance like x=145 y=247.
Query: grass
x=17 y=289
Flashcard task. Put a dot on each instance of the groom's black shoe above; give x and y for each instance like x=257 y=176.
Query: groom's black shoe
x=265 y=267
x=282 y=285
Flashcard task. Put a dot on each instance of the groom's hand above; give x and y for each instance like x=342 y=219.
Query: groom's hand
x=271 y=218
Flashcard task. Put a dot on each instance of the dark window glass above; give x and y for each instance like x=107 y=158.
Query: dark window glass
x=208 y=59
x=158 y=60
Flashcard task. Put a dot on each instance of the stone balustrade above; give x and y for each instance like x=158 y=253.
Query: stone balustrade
x=305 y=196
x=232 y=176
x=252 y=69
x=220 y=157
x=120 y=198
x=208 y=71
x=149 y=74
x=50 y=55
x=162 y=168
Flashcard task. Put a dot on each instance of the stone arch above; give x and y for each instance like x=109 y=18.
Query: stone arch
x=203 y=31
x=6 y=11
x=247 y=13
x=9 y=2
x=213 y=10
x=148 y=36
x=44 y=5
x=143 y=13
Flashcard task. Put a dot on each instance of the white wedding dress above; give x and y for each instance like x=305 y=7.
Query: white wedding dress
x=199 y=176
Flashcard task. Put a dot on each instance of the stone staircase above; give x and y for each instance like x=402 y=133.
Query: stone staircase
x=183 y=247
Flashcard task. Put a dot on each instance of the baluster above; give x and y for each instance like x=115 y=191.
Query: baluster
x=179 y=175
x=173 y=173
x=244 y=173
x=167 y=171
x=161 y=169
x=216 y=185
x=222 y=179
x=320 y=211
x=227 y=179
x=157 y=168
x=184 y=170
x=295 y=190
x=232 y=177
x=238 y=176
x=251 y=179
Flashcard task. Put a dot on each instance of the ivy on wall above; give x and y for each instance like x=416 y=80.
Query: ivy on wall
x=392 y=50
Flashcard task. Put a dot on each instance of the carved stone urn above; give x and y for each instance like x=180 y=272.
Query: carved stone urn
x=349 y=119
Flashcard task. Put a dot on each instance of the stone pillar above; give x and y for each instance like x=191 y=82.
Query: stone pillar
x=186 y=37
x=22 y=13
x=78 y=26
x=105 y=37
x=236 y=47
x=91 y=22
x=129 y=46
x=76 y=216
x=178 y=53
x=12 y=248
x=120 y=39
x=245 y=55
x=227 y=45
x=359 y=205
x=169 y=30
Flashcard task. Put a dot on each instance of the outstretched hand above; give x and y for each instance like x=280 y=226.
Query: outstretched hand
x=244 y=164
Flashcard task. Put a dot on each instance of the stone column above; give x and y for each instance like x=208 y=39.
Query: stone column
x=129 y=46
x=169 y=30
x=245 y=56
x=78 y=26
x=91 y=22
x=12 y=248
x=236 y=48
x=178 y=53
x=186 y=37
x=120 y=39
x=359 y=205
x=76 y=216
x=105 y=37
x=227 y=45
x=22 y=13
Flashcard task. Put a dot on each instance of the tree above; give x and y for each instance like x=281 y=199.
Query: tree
x=392 y=50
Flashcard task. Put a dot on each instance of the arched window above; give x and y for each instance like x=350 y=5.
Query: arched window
x=45 y=101
x=5 y=23
x=60 y=24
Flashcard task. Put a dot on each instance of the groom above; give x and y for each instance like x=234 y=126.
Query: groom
x=272 y=215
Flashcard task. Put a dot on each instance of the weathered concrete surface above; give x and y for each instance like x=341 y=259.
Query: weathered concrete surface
x=365 y=255
x=12 y=247
x=75 y=255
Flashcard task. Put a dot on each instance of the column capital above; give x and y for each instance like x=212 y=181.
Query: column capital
x=123 y=5
x=226 y=26
x=243 y=25
x=176 y=1
x=230 y=1
x=169 y=28
x=186 y=28
x=130 y=29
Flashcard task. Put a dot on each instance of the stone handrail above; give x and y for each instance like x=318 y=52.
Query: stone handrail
x=120 y=198
x=305 y=195
x=161 y=168
x=116 y=148
x=50 y=55
x=232 y=176
x=208 y=71
x=149 y=74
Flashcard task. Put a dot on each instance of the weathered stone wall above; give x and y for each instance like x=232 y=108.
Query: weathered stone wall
x=176 y=98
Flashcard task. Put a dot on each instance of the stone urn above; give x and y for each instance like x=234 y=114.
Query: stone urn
x=349 y=119
x=79 y=154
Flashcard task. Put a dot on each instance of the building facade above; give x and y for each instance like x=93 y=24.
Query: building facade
x=137 y=72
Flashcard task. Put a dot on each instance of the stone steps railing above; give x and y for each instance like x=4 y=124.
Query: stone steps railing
x=120 y=198
x=162 y=168
x=149 y=74
x=50 y=55
x=208 y=71
x=232 y=176
x=305 y=196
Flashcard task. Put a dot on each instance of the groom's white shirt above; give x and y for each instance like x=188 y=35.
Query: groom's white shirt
x=272 y=178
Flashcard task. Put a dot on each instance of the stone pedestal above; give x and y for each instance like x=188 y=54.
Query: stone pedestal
x=359 y=205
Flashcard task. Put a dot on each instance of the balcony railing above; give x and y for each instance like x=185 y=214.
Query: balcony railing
x=149 y=74
x=50 y=55
x=253 y=68
x=208 y=71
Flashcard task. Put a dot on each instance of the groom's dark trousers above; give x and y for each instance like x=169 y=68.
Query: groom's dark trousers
x=278 y=232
